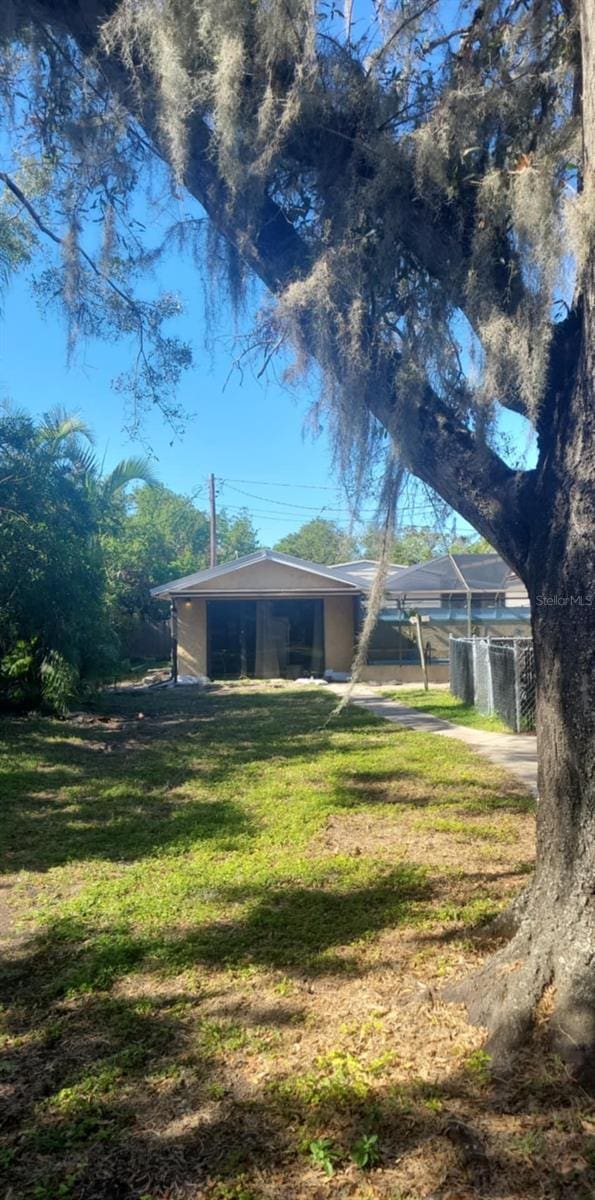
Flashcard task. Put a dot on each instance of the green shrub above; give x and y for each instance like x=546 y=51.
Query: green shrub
x=59 y=682
x=29 y=678
x=324 y=1155
x=19 y=681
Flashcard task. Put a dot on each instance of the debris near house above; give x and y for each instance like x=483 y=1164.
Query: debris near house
x=156 y=675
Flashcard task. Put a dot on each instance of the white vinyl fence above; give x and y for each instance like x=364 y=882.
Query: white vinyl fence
x=497 y=676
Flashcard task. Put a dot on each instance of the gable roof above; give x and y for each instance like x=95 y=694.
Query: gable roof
x=456 y=573
x=449 y=573
x=187 y=582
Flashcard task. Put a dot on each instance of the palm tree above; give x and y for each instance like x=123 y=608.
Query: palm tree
x=69 y=438
x=59 y=429
x=128 y=470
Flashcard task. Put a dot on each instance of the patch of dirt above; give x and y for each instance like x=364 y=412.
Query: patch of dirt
x=10 y=937
x=405 y=838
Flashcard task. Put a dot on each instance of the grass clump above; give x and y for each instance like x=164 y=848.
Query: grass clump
x=339 y=1080
x=439 y=702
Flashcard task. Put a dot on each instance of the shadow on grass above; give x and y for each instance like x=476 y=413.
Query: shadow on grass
x=382 y=787
x=89 y=1064
x=119 y=1088
x=121 y=828
x=114 y=1097
x=83 y=1078
x=116 y=789
x=284 y=927
x=119 y=786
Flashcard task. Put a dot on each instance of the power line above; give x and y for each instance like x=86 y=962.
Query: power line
x=317 y=487
x=284 y=503
x=293 y=517
x=414 y=518
x=428 y=507
x=263 y=516
x=414 y=512
x=278 y=483
x=299 y=514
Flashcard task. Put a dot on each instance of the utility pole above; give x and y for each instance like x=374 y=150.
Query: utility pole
x=212 y=521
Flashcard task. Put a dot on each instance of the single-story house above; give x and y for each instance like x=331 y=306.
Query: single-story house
x=270 y=614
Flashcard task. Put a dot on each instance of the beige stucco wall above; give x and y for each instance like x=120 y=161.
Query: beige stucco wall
x=270 y=576
x=386 y=673
x=339 y=638
x=338 y=633
x=192 y=634
x=192 y=637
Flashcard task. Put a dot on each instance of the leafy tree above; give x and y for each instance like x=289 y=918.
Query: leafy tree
x=52 y=593
x=69 y=440
x=409 y=546
x=236 y=535
x=55 y=622
x=78 y=555
x=319 y=541
x=470 y=545
x=413 y=191
x=160 y=535
x=412 y=545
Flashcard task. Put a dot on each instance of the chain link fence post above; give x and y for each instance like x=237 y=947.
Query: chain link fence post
x=517 y=687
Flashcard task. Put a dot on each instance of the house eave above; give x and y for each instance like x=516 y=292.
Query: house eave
x=264 y=593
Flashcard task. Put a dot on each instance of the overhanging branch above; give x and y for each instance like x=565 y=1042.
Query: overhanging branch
x=54 y=237
x=438 y=448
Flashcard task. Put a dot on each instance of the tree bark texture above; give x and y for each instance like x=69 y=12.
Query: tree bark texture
x=553 y=937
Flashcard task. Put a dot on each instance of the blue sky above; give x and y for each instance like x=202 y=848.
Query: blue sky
x=249 y=432
x=240 y=429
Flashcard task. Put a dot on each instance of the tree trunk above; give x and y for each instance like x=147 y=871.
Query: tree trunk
x=553 y=923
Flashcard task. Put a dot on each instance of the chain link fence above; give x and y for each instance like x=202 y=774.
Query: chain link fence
x=497 y=676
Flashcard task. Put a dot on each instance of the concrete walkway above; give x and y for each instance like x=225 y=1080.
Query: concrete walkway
x=516 y=752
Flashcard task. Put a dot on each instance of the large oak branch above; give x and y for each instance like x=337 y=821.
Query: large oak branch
x=441 y=450
x=437 y=447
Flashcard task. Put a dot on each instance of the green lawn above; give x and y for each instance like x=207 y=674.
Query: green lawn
x=439 y=702
x=216 y=911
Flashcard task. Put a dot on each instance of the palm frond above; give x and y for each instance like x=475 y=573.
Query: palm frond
x=85 y=462
x=128 y=471
x=58 y=425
